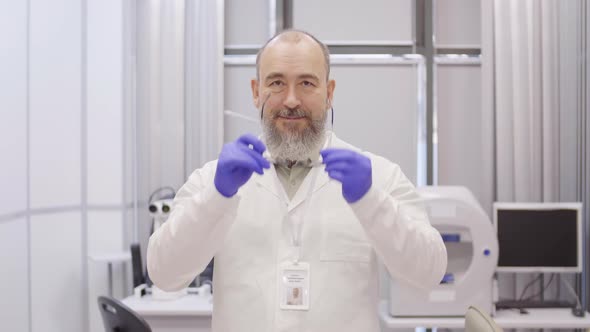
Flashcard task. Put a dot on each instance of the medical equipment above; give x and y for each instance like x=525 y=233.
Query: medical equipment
x=555 y=245
x=159 y=212
x=472 y=249
x=160 y=209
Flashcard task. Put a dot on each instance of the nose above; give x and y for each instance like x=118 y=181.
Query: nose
x=291 y=100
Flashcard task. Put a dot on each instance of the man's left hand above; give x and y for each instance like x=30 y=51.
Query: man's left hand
x=352 y=169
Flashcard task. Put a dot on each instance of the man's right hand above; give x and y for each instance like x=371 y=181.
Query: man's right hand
x=236 y=163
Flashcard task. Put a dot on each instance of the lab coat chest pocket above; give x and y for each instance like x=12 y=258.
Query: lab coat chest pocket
x=344 y=240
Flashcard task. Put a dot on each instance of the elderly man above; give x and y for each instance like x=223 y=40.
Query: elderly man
x=276 y=216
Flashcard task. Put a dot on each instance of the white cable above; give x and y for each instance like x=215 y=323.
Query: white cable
x=241 y=116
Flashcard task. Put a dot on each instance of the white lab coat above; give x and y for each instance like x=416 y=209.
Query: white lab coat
x=250 y=235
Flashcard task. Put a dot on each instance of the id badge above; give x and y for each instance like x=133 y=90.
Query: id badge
x=294 y=286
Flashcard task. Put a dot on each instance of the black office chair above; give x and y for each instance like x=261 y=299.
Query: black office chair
x=117 y=317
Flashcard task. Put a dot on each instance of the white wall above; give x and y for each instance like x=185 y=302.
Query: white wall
x=104 y=97
x=14 y=285
x=55 y=88
x=369 y=22
x=258 y=16
x=457 y=23
x=63 y=141
x=13 y=107
x=463 y=133
x=55 y=161
x=14 y=251
x=57 y=272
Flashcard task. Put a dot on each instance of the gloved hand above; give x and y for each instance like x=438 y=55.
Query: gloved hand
x=236 y=163
x=352 y=169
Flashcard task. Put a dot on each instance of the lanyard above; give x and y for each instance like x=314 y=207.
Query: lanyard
x=297 y=223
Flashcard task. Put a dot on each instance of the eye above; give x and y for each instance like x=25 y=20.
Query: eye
x=276 y=83
x=307 y=84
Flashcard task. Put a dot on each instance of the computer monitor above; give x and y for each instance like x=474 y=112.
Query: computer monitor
x=539 y=237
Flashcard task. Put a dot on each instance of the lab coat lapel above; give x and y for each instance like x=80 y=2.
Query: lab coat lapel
x=301 y=194
x=269 y=180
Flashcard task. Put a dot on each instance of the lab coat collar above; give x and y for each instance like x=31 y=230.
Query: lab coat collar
x=303 y=190
x=270 y=180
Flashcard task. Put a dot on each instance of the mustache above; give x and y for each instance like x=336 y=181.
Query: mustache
x=297 y=112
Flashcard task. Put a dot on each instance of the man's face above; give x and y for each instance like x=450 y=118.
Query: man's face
x=293 y=88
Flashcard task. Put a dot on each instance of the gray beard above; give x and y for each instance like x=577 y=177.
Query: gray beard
x=293 y=145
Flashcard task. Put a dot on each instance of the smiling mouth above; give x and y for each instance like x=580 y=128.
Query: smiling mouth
x=292 y=117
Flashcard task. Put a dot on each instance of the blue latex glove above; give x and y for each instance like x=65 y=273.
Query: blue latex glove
x=236 y=163
x=352 y=169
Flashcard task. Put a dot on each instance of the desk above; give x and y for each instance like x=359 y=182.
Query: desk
x=190 y=313
x=537 y=318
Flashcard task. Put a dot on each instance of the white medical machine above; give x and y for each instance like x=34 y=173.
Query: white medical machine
x=160 y=206
x=160 y=209
x=472 y=249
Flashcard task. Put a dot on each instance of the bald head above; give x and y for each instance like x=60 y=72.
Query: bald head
x=295 y=37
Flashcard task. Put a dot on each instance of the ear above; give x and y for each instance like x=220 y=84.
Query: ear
x=255 y=92
x=331 y=87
